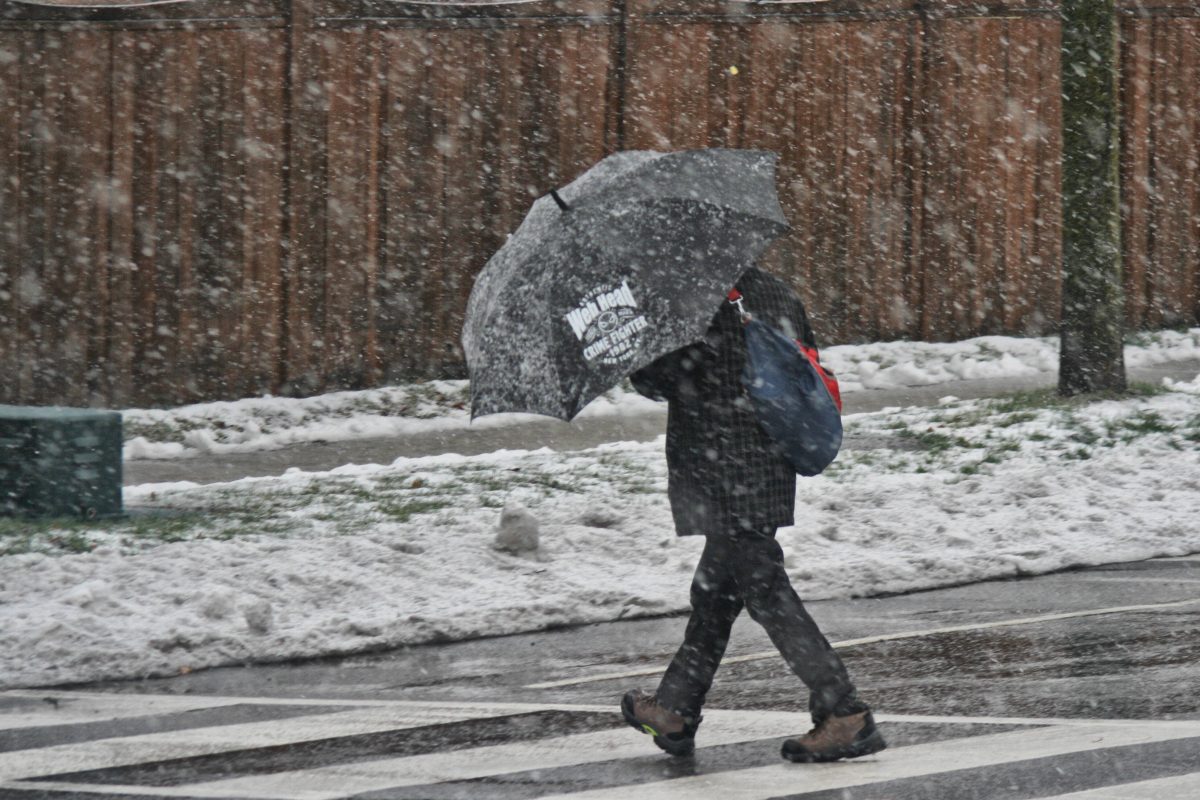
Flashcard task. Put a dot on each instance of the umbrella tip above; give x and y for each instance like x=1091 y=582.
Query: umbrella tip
x=561 y=203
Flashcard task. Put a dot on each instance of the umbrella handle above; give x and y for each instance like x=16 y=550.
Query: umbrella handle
x=735 y=298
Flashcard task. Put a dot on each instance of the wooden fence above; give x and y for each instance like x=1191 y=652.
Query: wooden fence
x=214 y=199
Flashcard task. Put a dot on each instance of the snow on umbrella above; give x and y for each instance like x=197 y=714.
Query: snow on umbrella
x=628 y=262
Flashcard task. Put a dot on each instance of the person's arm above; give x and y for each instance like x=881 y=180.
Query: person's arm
x=661 y=379
x=657 y=380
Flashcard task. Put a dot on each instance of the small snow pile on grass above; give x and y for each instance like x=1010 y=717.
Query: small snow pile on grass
x=271 y=422
x=887 y=365
x=240 y=425
x=368 y=557
x=265 y=423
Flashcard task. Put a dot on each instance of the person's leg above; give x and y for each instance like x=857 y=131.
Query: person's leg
x=773 y=603
x=672 y=713
x=716 y=602
x=844 y=725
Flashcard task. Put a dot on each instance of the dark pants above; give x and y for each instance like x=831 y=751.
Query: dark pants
x=747 y=570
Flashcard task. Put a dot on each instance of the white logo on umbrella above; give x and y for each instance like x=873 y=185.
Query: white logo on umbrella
x=607 y=322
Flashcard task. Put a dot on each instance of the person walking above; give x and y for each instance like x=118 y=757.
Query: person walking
x=728 y=482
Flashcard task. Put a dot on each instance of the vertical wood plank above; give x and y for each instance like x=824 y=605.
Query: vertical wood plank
x=1045 y=130
x=179 y=297
x=349 y=147
x=38 y=282
x=1189 y=159
x=916 y=153
x=1174 y=133
x=303 y=319
x=667 y=99
x=87 y=235
x=407 y=203
x=262 y=226
x=12 y=210
x=119 y=336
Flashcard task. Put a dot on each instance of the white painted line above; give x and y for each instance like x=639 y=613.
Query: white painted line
x=972 y=752
x=1185 y=727
x=213 y=701
x=325 y=783
x=127 y=750
x=1177 y=787
x=342 y=780
x=71 y=708
x=434 y=711
x=1092 y=577
x=721 y=727
x=93 y=788
x=887 y=637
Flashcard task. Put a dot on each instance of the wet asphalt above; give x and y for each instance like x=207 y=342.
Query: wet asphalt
x=1041 y=672
x=1119 y=641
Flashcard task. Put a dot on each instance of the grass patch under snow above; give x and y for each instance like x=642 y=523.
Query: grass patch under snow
x=333 y=504
x=970 y=437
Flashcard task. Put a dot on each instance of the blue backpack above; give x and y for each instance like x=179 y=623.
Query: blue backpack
x=795 y=398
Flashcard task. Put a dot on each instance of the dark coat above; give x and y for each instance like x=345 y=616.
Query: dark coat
x=724 y=474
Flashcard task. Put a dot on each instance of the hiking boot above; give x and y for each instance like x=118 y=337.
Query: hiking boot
x=834 y=738
x=672 y=732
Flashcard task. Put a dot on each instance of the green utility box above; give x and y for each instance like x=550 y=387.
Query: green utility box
x=57 y=462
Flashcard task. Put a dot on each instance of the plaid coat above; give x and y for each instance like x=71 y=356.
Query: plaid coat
x=724 y=474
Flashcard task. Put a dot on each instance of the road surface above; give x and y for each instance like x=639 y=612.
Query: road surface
x=1079 y=685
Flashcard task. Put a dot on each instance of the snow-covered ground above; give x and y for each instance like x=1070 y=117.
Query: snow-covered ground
x=366 y=557
x=271 y=422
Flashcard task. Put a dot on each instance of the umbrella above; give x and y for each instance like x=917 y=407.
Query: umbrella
x=628 y=262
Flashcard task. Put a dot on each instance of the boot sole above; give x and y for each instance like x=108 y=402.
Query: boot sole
x=863 y=747
x=675 y=747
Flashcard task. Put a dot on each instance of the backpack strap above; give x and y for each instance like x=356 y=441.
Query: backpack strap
x=827 y=376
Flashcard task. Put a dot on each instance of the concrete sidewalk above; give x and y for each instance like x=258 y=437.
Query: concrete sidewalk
x=557 y=435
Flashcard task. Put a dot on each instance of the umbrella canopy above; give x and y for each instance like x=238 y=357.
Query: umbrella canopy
x=628 y=262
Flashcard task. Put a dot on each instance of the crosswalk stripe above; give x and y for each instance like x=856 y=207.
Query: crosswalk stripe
x=15 y=791
x=1183 y=727
x=1038 y=738
x=356 y=778
x=649 y=767
x=209 y=701
x=784 y=779
x=1178 y=786
x=1031 y=778
x=128 y=750
x=433 y=710
x=49 y=708
x=361 y=748
x=30 y=738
